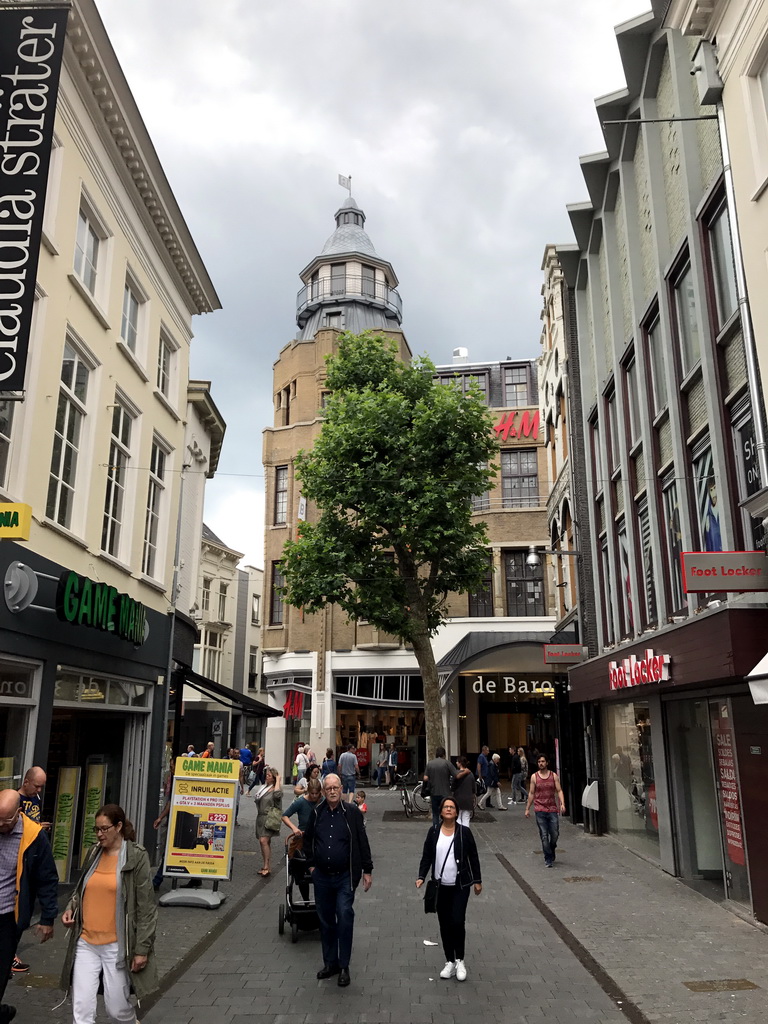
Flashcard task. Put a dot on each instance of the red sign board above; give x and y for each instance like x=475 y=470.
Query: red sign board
x=518 y=423
x=705 y=571
x=634 y=671
x=729 y=790
x=555 y=654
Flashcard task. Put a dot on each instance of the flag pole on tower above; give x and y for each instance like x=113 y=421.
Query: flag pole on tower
x=346 y=182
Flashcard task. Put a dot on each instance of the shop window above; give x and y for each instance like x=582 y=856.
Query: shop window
x=630 y=787
x=673 y=541
x=524 y=585
x=276 y=610
x=516 y=392
x=68 y=436
x=686 y=321
x=281 y=496
x=721 y=266
x=119 y=461
x=520 y=478
x=481 y=601
x=654 y=346
x=153 y=522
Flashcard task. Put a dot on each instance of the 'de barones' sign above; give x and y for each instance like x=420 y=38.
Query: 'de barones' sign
x=31 y=48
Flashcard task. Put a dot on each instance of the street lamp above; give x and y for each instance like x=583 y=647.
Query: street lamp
x=533 y=561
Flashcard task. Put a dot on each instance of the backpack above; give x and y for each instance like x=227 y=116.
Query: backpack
x=480 y=787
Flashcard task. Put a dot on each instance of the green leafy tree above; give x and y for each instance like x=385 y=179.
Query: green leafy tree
x=392 y=475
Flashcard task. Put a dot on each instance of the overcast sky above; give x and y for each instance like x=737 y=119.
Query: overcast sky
x=461 y=123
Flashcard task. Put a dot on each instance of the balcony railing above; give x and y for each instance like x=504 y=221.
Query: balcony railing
x=351 y=286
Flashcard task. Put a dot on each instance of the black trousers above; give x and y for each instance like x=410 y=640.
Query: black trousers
x=9 y=940
x=451 y=915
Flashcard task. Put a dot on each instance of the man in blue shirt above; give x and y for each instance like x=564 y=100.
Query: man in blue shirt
x=338 y=853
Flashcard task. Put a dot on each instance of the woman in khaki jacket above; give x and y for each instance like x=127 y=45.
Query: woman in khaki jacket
x=112 y=916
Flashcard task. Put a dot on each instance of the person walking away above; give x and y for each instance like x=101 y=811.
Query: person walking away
x=494 y=784
x=381 y=766
x=267 y=796
x=450 y=853
x=439 y=773
x=349 y=770
x=392 y=766
x=112 y=917
x=464 y=790
x=301 y=762
x=482 y=774
x=257 y=768
x=329 y=764
x=544 y=793
x=519 y=775
x=338 y=852
x=27 y=871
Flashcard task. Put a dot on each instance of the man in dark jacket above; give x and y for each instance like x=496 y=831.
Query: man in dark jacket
x=438 y=773
x=337 y=850
x=27 y=872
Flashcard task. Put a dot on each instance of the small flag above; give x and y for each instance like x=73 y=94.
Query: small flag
x=302 y=508
x=346 y=182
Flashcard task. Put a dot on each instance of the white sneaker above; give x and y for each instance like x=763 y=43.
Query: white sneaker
x=449 y=970
x=461 y=971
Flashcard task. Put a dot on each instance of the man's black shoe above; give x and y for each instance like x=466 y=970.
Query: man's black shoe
x=343 y=977
x=328 y=972
x=7 y=1013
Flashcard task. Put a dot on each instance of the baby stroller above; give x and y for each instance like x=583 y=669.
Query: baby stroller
x=299 y=910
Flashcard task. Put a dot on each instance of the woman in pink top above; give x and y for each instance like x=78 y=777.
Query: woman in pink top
x=545 y=792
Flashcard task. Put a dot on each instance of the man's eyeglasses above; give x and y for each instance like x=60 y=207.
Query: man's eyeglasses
x=98 y=829
x=331 y=788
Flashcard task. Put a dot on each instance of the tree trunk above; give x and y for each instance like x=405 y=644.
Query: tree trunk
x=425 y=656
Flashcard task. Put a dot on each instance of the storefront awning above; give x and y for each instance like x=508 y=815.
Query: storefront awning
x=479 y=641
x=225 y=695
x=758 y=681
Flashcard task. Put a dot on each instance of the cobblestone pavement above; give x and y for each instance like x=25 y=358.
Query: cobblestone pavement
x=615 y=947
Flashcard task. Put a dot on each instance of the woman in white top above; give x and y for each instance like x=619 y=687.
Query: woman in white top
x=451 y=853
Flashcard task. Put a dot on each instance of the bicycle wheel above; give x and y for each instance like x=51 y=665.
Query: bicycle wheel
x=420 y=803
x=406 y=798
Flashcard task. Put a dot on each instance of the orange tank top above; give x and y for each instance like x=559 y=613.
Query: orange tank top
x=100 y=904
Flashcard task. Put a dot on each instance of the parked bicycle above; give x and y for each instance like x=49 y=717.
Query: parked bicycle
x=410 y=794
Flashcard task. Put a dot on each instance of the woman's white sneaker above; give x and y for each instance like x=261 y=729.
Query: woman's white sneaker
x=461 y=971
x=449 y=970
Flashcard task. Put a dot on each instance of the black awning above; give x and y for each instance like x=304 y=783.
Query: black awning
x=225 y=694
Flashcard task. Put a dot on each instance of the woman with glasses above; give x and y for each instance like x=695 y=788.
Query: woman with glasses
x=112 y=918
x=267 y=796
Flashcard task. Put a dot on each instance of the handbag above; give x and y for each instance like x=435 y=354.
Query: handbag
x=273 y=820
x=430 y=890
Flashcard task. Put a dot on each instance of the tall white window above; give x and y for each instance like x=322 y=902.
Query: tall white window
x=87 y=248
x=119 y=458
x=129 y=324
x=205 y=601
x=6 y=426
x=213 y=644
x=281 y=495
x=223 y=587
x=67 y=439
x=152 y=522
x=166 y=356
x=721 y=254
x=658 y=375
x=687 y=324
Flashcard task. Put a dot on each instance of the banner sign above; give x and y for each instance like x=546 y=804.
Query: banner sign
x=730 y=802
x=558 y=654
x=15 y=517
x=634 y=671
x=64 y=817
x=31 y=49
x=202 y=818
x=95 y=788
x=705 y=571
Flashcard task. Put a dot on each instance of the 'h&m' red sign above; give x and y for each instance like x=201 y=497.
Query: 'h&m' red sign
x=634 y=671
x=519 y=423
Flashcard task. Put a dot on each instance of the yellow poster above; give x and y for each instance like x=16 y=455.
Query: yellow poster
x=63 y=831
x=202 y=818
x=95 y=788
x=7 y=778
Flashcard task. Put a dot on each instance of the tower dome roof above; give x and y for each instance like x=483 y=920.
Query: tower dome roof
x=350 y=235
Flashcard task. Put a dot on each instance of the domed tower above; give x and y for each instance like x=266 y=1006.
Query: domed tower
x=348 y=287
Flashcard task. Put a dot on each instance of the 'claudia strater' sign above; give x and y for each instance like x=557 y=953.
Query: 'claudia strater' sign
x=31 y=48
x=634 y=671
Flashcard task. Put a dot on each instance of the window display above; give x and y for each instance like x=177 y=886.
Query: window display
x=630 y=786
